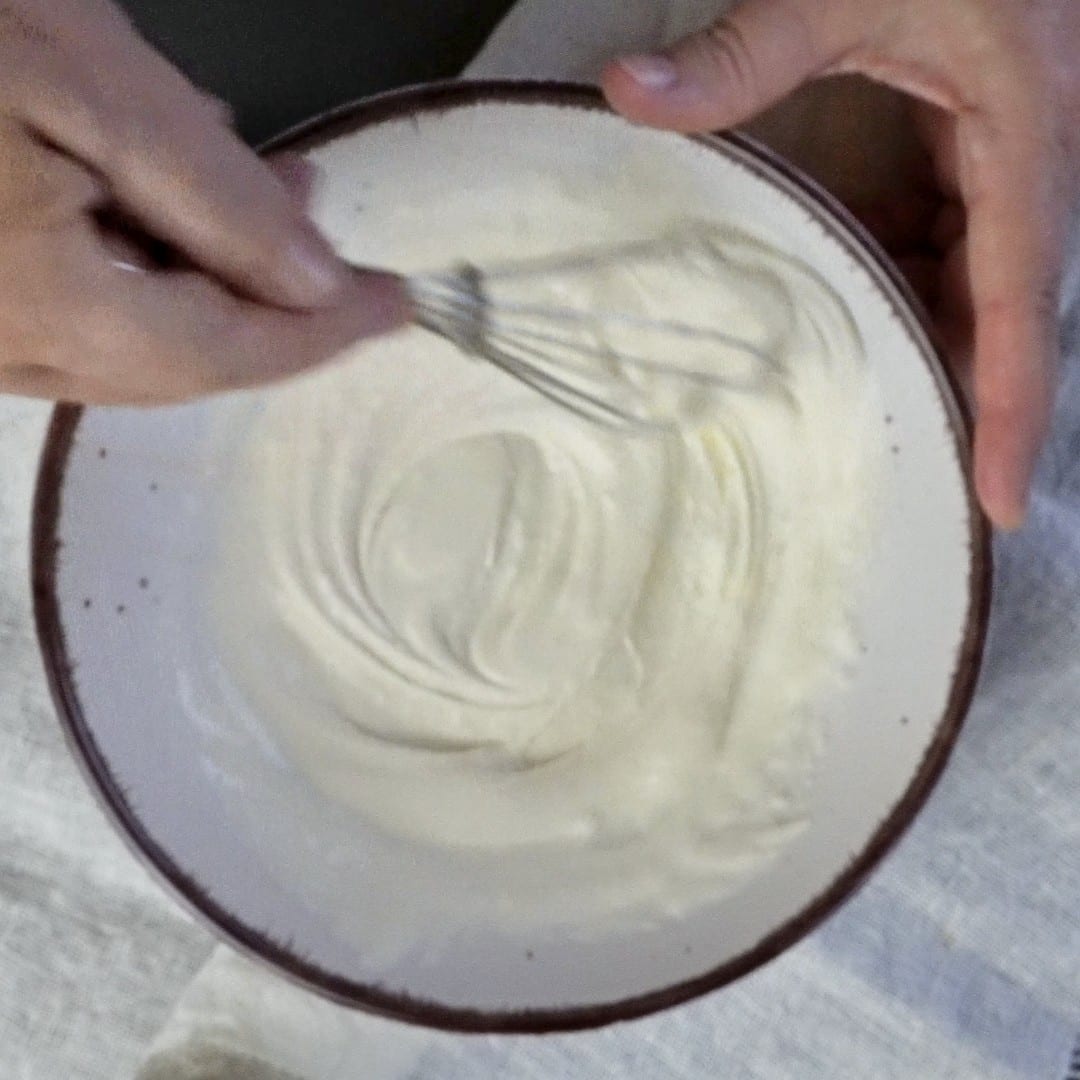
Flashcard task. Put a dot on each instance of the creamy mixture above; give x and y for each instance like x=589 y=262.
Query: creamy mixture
x=592 y=666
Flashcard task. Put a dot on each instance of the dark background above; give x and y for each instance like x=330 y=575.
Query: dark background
x=277 y=62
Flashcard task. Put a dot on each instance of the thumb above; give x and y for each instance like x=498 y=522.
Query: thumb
x=746 y=61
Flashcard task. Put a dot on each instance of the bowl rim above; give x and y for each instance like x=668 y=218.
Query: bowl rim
x=435 y=98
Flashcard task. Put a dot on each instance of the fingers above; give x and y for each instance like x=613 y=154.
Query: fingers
x=152 y=337
x=239 y=343
x=297 y=173
x=168 y=158
x=40 y=188
x=199 y=188
x=85 y=317
x=723 y=75
x=992 y=72
x=38 y=381
x=1015 y=213
x=953 y=315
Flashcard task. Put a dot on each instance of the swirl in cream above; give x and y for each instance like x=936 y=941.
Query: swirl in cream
x=494 y=628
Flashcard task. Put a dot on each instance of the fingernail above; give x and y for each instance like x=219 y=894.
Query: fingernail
x=651 y=71
x=314 y=275
x=1008 y=517
x=1003 y=490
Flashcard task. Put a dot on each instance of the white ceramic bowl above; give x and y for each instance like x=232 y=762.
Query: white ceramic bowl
x=122 y=536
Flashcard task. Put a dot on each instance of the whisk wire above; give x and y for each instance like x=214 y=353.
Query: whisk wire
x=570 y=355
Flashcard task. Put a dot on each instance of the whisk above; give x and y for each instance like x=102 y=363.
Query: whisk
x=574 y=328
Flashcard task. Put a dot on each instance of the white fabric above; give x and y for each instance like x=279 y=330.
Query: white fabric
x=960 y=958
x=92 y=953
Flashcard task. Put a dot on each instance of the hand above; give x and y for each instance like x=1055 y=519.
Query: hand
x=93 y=120
x=998 y=87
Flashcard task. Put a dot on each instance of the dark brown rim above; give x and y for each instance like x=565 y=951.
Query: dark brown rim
x=440 y=97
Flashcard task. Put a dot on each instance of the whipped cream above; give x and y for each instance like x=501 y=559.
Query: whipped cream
x=592 y=667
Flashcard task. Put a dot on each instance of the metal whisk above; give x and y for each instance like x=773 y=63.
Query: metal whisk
x=573 y=329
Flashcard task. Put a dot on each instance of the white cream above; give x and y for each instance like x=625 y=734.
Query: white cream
x=588 y=666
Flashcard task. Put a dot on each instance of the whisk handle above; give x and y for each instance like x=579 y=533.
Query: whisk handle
x=453 y=305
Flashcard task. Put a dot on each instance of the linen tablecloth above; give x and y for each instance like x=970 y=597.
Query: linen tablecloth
x=960 y=959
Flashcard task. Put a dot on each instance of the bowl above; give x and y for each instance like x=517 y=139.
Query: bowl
x=123 y=542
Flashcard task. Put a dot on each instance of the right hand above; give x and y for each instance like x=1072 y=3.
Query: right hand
x=998 y=90
x=92 y=119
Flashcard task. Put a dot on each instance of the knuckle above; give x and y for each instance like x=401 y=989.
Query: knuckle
x=80 y=104
x=120 y=130
x=15 y=25
x=728 y=50
x=753 y=51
